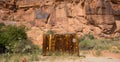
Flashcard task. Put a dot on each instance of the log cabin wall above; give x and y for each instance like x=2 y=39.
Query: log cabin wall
x=63 y=43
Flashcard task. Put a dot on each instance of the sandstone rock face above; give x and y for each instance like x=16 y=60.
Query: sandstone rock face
x=100 y=17
x=36 y=35
x=118 y=25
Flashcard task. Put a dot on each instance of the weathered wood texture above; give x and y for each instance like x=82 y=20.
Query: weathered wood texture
x=64 y=43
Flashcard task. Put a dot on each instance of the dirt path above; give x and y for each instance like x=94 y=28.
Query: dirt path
x=106 y=57
x=77 y=59
x=100 y=59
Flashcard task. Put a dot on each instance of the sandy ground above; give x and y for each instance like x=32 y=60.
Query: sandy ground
x=105 y=57
x=79 y=59
x=88 y=56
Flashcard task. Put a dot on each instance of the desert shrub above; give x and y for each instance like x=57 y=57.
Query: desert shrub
x=14 y=39
x=89 y=42
x=1 y=25
x=116 y=39
x=87 y=36
x=86 y=42
x=26 y=46
x=50 y=32
x=10 y=35
x=95 y=44
x=98 y=53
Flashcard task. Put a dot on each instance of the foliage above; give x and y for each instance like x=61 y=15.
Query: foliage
x=18 y=57
x=11 y=35
x=89 y=42
x=50 y=32
x=87 y=36
x=98 y=53
x=1 y=25
x=14 y=40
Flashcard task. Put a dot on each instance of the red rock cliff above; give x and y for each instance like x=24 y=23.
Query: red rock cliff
x=100 y=17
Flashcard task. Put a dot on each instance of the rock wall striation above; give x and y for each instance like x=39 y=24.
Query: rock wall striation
x=99 y=17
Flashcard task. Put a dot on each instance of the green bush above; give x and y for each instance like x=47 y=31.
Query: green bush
x=26 y=46
x=89 y=42
x=89 y=36
x=1 y=25
x=86 y=42
x=11 y=35
x=14 y=39
x=50 y=32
